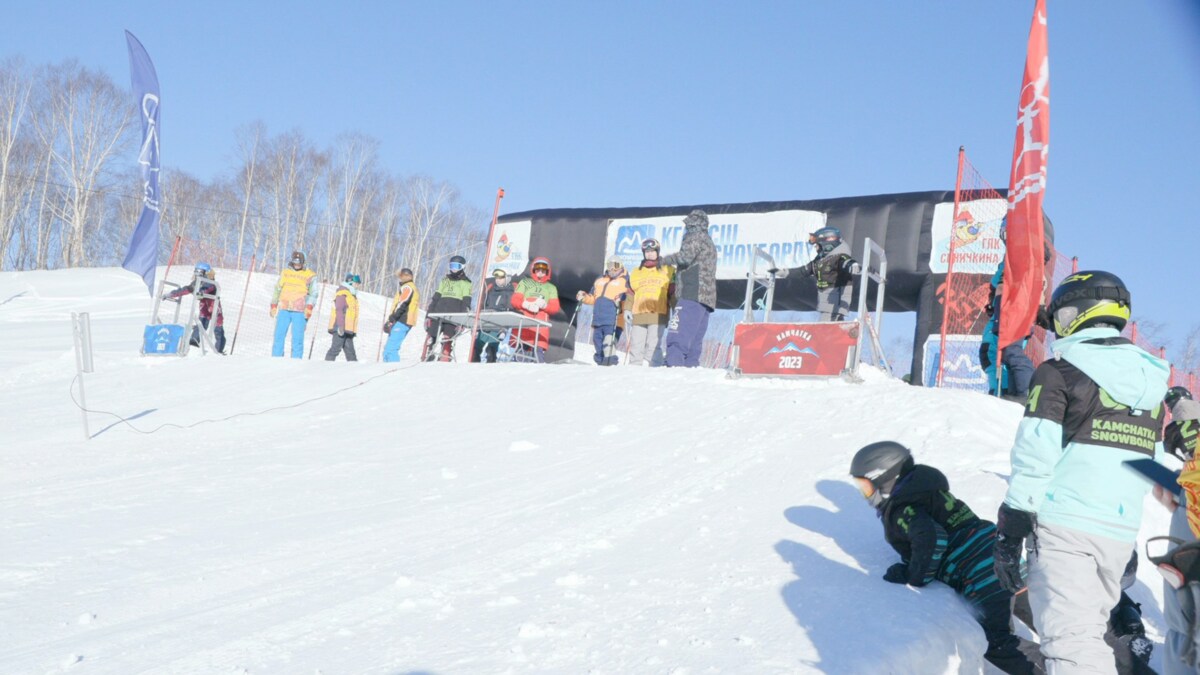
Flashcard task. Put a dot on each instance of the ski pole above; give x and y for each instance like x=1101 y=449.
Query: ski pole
x=569 y=324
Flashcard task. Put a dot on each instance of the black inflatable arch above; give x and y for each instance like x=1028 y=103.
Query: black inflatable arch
x=575 y=239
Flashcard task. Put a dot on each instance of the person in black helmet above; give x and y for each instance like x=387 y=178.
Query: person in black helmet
x=939 y=538
x=834 y=268
x=453 y=294
x=1072 y=504
x=1180 y=436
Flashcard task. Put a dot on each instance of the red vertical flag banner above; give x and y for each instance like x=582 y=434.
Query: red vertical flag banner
x=1024 y=268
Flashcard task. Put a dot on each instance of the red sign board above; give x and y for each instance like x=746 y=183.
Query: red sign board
x=795 y=348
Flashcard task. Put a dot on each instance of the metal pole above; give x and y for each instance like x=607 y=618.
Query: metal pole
x=484 y=271
x=316 y=311
x=950 y=267
x=242 y=308
x=81 y=327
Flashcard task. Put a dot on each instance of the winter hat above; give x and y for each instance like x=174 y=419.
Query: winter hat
x=696 y=217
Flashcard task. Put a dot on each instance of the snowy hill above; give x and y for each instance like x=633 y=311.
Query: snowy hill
x=454 y=518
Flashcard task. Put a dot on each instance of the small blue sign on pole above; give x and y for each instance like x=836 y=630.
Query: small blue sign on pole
x=162 y=339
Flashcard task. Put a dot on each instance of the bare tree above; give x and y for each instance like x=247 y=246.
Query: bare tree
x=438 y=226
x=355 y=157
x=248 y=138
x=16 y=83
x=1186 y=357
x=84 y=118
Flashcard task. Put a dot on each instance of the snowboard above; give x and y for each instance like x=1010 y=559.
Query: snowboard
x=1156 y=473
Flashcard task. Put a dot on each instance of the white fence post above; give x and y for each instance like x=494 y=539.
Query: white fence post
x=81 y=324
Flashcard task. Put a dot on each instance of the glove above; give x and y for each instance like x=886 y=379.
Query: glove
x=307 y=312
x=1012 y=526
x=274 y=310
x=541 y=303
x=989 y=309
x=341 y=331
x=530 y=306
x=1164 y=497
x=387 y=327
x=897 y=574
x=579 y=295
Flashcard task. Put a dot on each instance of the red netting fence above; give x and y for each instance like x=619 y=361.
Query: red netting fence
x=974 y=252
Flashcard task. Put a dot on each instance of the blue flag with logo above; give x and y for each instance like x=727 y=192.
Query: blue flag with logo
x=142 y=256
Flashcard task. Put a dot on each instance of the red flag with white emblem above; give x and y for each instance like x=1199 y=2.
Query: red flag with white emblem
x=1024 y=267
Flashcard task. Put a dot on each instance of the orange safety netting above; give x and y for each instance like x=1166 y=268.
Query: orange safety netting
x=246 y=289
x=974 y=253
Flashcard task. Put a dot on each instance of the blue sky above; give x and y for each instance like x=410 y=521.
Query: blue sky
x=664 y=103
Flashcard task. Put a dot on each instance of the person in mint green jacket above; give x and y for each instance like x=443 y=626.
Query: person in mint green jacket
x=453 y=295
x=1071 y=503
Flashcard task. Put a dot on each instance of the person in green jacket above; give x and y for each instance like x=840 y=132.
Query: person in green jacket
x=453 y=294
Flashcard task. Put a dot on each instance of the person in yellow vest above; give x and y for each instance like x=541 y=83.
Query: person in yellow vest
x=343 y=325
x=403 y=316
x=296 y=291
x=653 y=286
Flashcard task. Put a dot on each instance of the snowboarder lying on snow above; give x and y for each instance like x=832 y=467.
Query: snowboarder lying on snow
x=939 y=538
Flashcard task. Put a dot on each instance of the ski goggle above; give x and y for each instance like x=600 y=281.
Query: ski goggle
x=456 y=267
x=1175 y=564
x=865 y=486
x=499 y=274
x=541 y=269
x=615 y=265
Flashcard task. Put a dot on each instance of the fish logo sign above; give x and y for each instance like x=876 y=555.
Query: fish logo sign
x=630 y=238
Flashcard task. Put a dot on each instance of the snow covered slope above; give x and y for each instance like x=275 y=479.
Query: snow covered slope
x=454 y=518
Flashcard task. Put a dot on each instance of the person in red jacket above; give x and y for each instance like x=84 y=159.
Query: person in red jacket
x=536 y=297
x=201 y=286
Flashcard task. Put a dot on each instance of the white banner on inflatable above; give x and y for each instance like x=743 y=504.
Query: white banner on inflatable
x=783 y=234
x=978 y=249
x=510 y=248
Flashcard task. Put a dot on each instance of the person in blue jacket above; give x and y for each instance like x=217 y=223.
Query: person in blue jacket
x=1071 y=503
x=1011 y=369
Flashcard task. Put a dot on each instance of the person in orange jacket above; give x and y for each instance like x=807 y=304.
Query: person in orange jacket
x=608 y=293
x=296 y=290
x=403 y=316
x=536 y=297
x=343 y=325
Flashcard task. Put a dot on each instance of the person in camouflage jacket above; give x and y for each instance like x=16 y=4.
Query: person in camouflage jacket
x=696 y=289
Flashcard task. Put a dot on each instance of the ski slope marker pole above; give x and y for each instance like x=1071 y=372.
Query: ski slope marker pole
x=242 y=308
x=483 y=274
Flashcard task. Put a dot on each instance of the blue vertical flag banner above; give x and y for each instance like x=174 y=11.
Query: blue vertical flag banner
x=142 y=257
